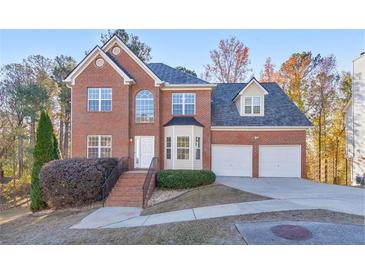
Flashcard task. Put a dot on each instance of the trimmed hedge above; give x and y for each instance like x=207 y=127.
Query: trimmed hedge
x=74 y=182
x=179 y=179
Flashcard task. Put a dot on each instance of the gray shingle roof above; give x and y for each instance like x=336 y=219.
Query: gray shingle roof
x=279 y=110
x=172 y=75
x=183 y=121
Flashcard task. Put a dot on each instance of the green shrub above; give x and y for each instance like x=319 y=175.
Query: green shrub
x=179 y=179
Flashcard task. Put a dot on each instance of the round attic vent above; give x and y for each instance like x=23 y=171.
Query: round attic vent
x=99 y=62
x=116 y=50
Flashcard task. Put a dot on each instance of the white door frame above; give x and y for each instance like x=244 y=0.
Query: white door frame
x=138 y=150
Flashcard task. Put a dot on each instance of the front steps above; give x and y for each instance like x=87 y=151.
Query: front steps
x=128 y=191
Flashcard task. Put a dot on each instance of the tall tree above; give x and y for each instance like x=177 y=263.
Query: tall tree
x=268 y=74
x=43 y=153
x=229 y=62
x=139 y=48
x=63 y=66
x=321 y=98
x=186 y=70
x=295 y=77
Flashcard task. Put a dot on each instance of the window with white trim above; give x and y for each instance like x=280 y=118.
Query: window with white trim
x=99 y=146
x=144 y=107
x=182 y=147
x=251 y=105
x=197 y=148
x=183 y=104
x=168 y=148
x=99 y=99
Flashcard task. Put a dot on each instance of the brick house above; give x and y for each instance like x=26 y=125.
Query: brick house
x=124 y=107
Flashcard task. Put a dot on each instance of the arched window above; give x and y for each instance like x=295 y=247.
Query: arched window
x=144 y=107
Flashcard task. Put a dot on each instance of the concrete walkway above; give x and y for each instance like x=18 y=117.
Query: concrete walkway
x=117 y=217
x=287 y=194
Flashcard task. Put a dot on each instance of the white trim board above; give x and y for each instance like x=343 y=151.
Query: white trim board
x=115 y=40
x=70 y=79
x=253 y=80
x=237 y=128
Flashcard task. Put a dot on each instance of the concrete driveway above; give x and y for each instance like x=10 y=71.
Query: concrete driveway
x=303 y=192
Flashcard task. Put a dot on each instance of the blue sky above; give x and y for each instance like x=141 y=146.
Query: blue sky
x=190 y=48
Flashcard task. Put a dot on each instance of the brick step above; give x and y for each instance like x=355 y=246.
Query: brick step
x=128 y=190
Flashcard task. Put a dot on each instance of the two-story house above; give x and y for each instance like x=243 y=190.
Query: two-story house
x=355 y=122
x=122 y=106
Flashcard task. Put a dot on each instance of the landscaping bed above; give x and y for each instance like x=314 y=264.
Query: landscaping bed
x=204 y=196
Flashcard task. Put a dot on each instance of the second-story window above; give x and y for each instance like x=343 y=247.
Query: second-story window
x=99 y=99
x=183 y=103
x=252 y=105
x=144 y=107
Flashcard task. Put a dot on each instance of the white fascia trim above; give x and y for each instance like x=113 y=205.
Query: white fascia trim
x=278 y=128
x=70 y=80
x=253 y=80
x=168 y=86
x=116 y=39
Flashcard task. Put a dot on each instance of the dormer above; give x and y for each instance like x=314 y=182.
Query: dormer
x=250 y=101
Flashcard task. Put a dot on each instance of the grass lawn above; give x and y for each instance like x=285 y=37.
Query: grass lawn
x=204 y=196
x=53 y=228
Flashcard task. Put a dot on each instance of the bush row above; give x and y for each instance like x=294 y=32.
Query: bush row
x=180 y=179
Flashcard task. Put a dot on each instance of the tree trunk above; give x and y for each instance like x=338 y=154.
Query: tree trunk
x=66 y=142
x=61 y=137
x=325 y=171
x=319 y=147
x=20 y=156
x=336 y=161
x=31 y=142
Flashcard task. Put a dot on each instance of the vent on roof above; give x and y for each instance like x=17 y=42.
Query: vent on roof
x=362 y=53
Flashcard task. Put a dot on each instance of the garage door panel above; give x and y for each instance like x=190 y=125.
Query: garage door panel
x=280 y=161
x=232 y=160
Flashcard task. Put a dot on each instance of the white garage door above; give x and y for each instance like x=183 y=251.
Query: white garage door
x=280 y=161
x=232 y=160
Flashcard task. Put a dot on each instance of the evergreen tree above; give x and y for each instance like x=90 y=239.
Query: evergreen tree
x=43 y=153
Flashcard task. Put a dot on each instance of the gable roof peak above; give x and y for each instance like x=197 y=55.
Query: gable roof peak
x=115 y=39
x=70 y=79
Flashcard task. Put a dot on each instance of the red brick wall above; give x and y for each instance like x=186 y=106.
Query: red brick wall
x=203 y=115
x=143 y=81
x=113 y=123
x=264 y=138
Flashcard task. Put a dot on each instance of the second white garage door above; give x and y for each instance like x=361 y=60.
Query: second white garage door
x=280 y=161
x=232 y=160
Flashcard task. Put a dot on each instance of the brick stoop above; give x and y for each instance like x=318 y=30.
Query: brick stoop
x=128 y=190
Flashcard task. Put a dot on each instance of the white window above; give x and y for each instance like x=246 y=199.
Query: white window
x=144 y=107
x=197 y=148
x=182 y=147
x=168 y=148
x=252 y=105
x=183 y=104
x=99 y=99
x=99 y=146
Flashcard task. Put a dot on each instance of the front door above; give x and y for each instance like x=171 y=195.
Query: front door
x=144 y=151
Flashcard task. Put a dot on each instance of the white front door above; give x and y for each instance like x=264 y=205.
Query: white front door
x=280 y=161
x=232 y=160
x=144 y=151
